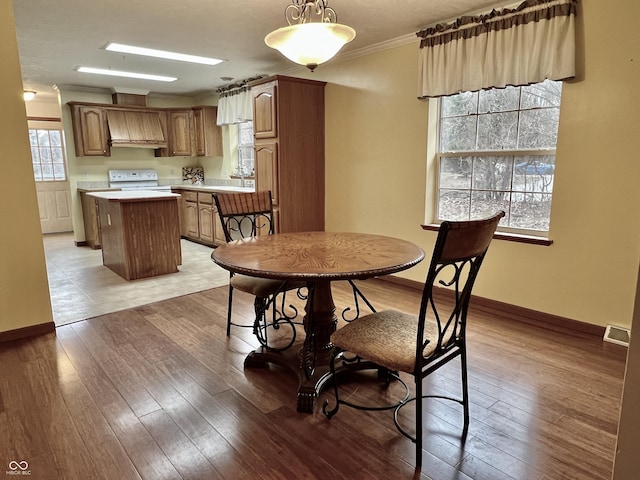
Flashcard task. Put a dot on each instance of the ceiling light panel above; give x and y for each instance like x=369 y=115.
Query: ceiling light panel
x=118 y=73
x=150 y=52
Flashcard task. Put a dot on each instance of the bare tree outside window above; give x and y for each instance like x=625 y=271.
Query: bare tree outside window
x=497 y=152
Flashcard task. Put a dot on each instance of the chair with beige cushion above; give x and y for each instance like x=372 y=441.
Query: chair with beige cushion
x=246 y=215
x=391 y=341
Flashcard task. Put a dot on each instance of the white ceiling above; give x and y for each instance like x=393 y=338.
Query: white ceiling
x=56 y=37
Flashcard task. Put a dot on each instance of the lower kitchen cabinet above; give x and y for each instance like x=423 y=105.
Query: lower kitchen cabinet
x=200 y=221
x=90 y=220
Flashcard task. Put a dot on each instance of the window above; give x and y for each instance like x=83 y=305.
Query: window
x=245 y=165
x=47 y=155
x=497 y=152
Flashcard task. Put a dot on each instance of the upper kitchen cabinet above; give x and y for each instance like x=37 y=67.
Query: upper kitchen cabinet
x=208 y=133
x=90 y=130
x=289 y=149
x=181 y=134
x=264 y=106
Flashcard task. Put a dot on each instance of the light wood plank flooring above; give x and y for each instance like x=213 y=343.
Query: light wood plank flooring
x=82 y=287
x=158 y=391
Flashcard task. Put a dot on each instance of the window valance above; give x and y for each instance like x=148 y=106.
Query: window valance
x=513 y=46
x=234 y=106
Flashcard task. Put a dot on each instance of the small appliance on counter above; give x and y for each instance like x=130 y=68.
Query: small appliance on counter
x=136 y=179
x=193 y=175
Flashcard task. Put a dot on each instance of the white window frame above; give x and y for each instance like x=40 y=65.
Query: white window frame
x=249 y=171
x=515 y=153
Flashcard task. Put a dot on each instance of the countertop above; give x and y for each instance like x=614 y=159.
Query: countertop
x=213 y=188
x=133 y=195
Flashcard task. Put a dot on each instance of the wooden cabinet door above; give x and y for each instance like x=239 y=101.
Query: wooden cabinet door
x=218 y=232
x=181 y=133
x=190 y=219
x=205 y=216
x=93 y=132
x=266 y=167
x=208 y=133
x=265 y=122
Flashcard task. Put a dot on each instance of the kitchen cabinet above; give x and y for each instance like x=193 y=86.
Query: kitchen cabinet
x=289 y=149
x=199 y=215
x=208 y=134
x=90 y=132
x=91 y=220
x=180 y=133
x=184 y=132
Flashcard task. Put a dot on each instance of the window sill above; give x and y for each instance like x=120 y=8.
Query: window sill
x=510 y=237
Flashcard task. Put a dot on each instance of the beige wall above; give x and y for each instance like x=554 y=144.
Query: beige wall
x=24 y=290
x=376 y=166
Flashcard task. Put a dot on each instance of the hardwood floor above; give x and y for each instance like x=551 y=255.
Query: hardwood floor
x=158 y=391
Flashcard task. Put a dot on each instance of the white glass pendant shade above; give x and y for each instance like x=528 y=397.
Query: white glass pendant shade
x=310 y=44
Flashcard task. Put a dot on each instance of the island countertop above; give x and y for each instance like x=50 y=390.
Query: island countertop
x=133 y=195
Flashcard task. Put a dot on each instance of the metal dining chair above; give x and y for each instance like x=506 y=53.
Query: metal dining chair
x=391 y=341
x=245 y=215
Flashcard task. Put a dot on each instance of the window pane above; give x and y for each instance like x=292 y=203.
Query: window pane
x=33 y=137
x=539 y=128
x=497 y=131
x=464 y=103
x=499 y=100
x=58 y=172
x=56 y=155
x=455 y=172
x=45 y=155
x=454 y=204
x=43 y=137
x=530 y=211
x=47 y=172
x=37 y=172
x=55 y=137
x=35 y=156
x=545 y=94
x=492 y=173
x=458 y=134
x=534 y=174
x=485 y=204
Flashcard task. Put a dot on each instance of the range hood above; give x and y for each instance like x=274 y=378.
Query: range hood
x=129 y=128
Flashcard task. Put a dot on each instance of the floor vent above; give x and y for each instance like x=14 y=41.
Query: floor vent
x=617 y=335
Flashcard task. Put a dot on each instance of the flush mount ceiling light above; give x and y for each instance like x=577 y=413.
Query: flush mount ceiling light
x=310 y=43
x=28 y=95
x=117 y=73
x=150 y=52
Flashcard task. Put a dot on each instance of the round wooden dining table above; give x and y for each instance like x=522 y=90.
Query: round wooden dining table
x=317 y=258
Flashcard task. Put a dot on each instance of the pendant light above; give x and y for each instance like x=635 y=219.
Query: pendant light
x=310 y=43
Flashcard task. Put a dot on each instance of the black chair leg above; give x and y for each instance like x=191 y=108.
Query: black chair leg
x=465 y=389
x=418 y=433
x=229 y=310
x=332 y=371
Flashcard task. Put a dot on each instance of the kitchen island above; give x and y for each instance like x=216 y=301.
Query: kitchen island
x=140 y=232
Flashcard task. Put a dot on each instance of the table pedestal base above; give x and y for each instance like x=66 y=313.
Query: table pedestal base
x=319 y=318
x=308 y=388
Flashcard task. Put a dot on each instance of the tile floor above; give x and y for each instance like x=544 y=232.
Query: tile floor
x=81 y=287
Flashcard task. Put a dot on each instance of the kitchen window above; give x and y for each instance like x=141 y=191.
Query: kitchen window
x=497 y=151
x=47 y=155
x=245 y=164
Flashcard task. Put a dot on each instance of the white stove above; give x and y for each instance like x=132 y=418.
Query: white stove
x=136 y=179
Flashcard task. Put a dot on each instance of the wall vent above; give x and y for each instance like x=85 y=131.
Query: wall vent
x=617 y=335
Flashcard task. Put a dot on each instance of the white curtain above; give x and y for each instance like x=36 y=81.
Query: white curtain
x=514 y=46
x=234 y=106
